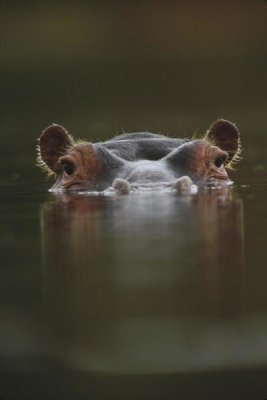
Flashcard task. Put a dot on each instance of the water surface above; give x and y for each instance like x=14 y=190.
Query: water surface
x=134 y=296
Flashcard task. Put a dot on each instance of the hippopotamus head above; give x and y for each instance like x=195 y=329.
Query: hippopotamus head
x=79 y=165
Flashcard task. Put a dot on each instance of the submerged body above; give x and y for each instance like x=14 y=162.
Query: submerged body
x=141 y=159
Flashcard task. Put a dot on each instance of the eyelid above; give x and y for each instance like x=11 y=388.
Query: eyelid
x=65 y=159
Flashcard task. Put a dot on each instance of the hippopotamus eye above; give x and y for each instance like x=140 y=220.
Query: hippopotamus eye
x=219 y=161
x=68 y=167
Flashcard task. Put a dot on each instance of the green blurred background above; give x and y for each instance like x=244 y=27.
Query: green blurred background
x=98 y=67
x=166 y=294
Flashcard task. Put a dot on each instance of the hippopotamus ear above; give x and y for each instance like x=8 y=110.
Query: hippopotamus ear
x=225 y=135
x=54 y=142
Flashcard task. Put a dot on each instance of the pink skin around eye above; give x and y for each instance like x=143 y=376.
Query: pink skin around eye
x=86 y=166
x=201 y=162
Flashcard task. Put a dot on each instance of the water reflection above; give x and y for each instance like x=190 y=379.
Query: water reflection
x=145 y=283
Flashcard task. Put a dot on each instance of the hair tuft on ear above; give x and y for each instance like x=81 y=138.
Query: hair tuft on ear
x=40 y=162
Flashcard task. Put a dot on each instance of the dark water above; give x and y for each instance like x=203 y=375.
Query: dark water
x=147 y=296
x=141 y=296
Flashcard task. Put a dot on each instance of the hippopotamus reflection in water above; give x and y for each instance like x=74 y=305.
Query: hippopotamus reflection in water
x=139 y=160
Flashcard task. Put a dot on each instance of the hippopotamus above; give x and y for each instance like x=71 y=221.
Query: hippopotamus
x=133 y=161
